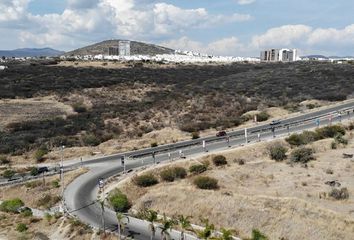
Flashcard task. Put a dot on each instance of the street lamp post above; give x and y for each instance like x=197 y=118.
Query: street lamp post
x=62 y=174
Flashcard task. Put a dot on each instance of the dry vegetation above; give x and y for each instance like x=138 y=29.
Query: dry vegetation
x=39 y=195
x=284 y=200
x=108 y=109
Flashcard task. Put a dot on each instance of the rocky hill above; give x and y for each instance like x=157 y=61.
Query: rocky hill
x=136 y=48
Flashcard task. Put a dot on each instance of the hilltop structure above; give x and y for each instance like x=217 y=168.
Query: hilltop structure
x=279 y=55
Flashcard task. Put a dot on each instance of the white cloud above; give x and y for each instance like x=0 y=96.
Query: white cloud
x=102 y=19
x=11 y=10
x=245 y=2
x=287 y=35
x=223 y=47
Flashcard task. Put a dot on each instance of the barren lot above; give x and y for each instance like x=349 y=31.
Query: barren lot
x=282 y=200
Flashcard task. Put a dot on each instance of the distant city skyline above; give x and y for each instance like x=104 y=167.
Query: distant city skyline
x=224 y=27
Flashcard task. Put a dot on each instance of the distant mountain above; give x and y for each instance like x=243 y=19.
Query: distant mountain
x=325 y=57
x=136 y=48
x=31 y=52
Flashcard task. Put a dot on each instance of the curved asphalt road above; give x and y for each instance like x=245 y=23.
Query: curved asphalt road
x=80 y=196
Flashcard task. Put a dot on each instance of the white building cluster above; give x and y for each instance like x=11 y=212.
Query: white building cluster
x=178 y=57
x=279 y=55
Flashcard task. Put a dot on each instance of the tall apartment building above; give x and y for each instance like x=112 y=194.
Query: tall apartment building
x=123 y=49
x=279 y=55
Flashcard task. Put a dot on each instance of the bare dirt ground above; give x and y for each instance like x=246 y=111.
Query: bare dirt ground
x=280 y=199
x=22 y=110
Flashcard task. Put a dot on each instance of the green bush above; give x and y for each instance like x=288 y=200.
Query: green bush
x=257 y=235
x=39 y=154
x=302 y=139
x=119 y=201
x=34 y=171
x=330 y=131
x=339 y=194
x=168 y=175
x=295 y=139
x=180 y=172
x=302 y=155
x=4 y=160
x=277 y=152
x=219 y=160
x=262 y=116
x=145 y=180
x=340 y=139
x=171 y=174
x=21 y=227
x=90 y=140
x=48 y=201
x=197 y=168
x=55 y=183
x=204 y=182
x=8 y=173
x=154 y=144
x=12 y=205
x=26 y=212
x=195 y=135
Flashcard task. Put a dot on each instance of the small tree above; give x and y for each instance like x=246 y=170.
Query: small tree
x=151 y=217
x=166 y=226
x=277 y=152
x=207 y=231
x=184 y=223
x=121 y=224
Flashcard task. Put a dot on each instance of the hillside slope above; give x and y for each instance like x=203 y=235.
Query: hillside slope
x=136 y=48
x=31 y=52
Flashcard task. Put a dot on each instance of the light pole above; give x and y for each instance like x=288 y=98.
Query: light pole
x=122 y=160
x=246 y=135
x=204 y=146
x=62 y=174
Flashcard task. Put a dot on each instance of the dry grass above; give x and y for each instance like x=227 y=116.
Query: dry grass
x=280 y=199
x=32 y=109
x=32 y=192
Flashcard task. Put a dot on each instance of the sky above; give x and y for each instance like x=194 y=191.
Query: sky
x=219 y=27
